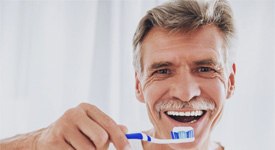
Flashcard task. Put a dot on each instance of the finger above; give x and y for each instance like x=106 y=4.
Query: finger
x=64 y=144
x=95 y=132
x=123 y=128
x=116 y=135
x=78 y=140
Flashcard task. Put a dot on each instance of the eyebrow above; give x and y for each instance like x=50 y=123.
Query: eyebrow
x=158 y=65
x=210 y=62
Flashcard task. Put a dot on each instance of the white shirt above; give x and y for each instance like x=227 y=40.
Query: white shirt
x=137 y=145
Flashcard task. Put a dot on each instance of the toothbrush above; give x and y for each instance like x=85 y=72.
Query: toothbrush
x=178 y=134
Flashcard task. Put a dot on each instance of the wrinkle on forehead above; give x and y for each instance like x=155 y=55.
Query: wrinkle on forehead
x=206 y=37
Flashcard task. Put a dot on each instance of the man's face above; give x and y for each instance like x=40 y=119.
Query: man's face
x=184 y=81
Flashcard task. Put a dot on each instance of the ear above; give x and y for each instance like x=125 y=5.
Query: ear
x=231 y=81
x=139 y=92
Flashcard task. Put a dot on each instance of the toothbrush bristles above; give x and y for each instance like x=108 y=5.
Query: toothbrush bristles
x=182 y=134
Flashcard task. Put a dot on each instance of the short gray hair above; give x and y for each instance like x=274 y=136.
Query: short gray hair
x=185 y=16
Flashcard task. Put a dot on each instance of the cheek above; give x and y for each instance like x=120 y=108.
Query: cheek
x=219 y=96
x=154 y=92
x=214 y=89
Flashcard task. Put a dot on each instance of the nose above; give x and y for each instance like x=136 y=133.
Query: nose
x=185 y=87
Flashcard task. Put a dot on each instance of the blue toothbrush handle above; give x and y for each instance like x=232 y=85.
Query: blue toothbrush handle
x=138 y=136
x=144 y=137
x=134 y=136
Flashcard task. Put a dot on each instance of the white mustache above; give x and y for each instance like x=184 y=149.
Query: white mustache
x=196 y=103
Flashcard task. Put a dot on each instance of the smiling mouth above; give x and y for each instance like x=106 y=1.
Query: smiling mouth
x=187 y=116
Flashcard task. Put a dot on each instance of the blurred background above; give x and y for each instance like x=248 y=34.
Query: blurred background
x=55 y=54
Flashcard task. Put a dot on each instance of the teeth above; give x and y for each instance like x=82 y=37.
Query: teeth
x=187 y=113
x=199 y=113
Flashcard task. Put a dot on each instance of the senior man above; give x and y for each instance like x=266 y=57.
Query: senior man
x=184 y=72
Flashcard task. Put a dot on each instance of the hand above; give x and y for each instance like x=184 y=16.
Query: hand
x=84 y=127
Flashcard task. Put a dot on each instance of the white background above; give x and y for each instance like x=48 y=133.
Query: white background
x=56 y=54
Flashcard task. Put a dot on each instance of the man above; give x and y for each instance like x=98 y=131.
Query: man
x=184 y=72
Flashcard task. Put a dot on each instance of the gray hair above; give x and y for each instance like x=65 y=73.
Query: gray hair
x=186 y=16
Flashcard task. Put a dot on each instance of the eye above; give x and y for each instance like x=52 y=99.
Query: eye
x=206 y=69
x=163 y=71
x=206 y=72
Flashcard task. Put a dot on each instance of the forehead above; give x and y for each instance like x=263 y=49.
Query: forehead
x=162 y=45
